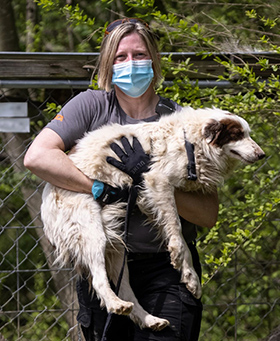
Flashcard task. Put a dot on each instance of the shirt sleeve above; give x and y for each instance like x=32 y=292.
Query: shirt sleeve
x=81 y=114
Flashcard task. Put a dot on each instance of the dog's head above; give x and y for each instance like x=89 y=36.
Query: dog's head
x=231 y=133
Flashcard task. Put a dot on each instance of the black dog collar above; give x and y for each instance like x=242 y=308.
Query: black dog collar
x=191 y=164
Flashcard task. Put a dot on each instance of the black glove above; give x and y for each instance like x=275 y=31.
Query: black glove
x=135 y=161
x=105 y=194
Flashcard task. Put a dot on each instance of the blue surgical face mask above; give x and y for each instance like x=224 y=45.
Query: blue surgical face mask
x=133 y=77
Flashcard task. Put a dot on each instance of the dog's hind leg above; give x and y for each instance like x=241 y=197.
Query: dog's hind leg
x=73 y=224
x=161 y=204
x=138 y=315
x=92 y=254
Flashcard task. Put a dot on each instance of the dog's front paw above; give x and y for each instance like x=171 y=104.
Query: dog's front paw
x=176 y=249
x=155 y=323
x=121 y=307
x=191 y=279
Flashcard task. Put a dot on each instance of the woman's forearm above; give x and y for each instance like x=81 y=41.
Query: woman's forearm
x=53 y=165
x=198 y=208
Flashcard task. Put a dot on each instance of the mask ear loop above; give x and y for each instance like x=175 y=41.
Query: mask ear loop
x=92 y=69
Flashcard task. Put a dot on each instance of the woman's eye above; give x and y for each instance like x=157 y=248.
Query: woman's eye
x=140 y=55
x=119 y=57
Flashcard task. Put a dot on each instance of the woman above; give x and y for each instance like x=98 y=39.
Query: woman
x=129 y=60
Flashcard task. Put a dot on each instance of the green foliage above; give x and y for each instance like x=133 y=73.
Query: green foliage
x=145 y=4
x=52 y=108
x=76 y=16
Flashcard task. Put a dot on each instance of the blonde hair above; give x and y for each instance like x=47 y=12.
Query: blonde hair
x=110 y=45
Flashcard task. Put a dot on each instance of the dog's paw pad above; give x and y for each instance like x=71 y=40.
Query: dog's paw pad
x=176 y=251
x=156 y=323
x=196 y=292
x=124 y=308
x=192 y=282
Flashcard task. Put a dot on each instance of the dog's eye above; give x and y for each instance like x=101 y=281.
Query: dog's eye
x=237 y=135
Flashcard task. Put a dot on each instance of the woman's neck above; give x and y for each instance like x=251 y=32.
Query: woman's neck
x=140 y=107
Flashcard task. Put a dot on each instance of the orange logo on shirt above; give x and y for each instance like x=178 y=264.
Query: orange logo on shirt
x=59 y=117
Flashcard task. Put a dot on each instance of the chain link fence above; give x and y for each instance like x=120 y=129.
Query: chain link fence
x=38 y=300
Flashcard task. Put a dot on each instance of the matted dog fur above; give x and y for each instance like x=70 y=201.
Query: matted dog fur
x=90 y=236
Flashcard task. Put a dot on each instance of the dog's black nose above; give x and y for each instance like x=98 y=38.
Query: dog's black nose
x=261 y=156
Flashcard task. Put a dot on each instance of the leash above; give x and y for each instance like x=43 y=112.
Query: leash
x=191 y=159
x=130 y=205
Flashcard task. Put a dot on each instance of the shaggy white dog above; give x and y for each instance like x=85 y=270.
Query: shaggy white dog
x=90 y=236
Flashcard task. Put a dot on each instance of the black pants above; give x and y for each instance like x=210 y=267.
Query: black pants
x=158 y=289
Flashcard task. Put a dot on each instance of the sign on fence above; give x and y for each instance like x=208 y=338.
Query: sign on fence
x=13 y=117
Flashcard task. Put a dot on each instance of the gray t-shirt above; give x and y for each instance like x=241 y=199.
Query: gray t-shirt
x=88 y=111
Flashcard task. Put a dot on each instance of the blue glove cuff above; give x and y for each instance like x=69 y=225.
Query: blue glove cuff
x=97 y=189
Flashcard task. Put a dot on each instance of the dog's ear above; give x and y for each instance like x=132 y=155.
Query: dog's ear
x=211 y=131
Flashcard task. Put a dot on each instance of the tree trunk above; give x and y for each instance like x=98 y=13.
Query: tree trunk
x=8 y=33
x=31 y=20
x=70 y=30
